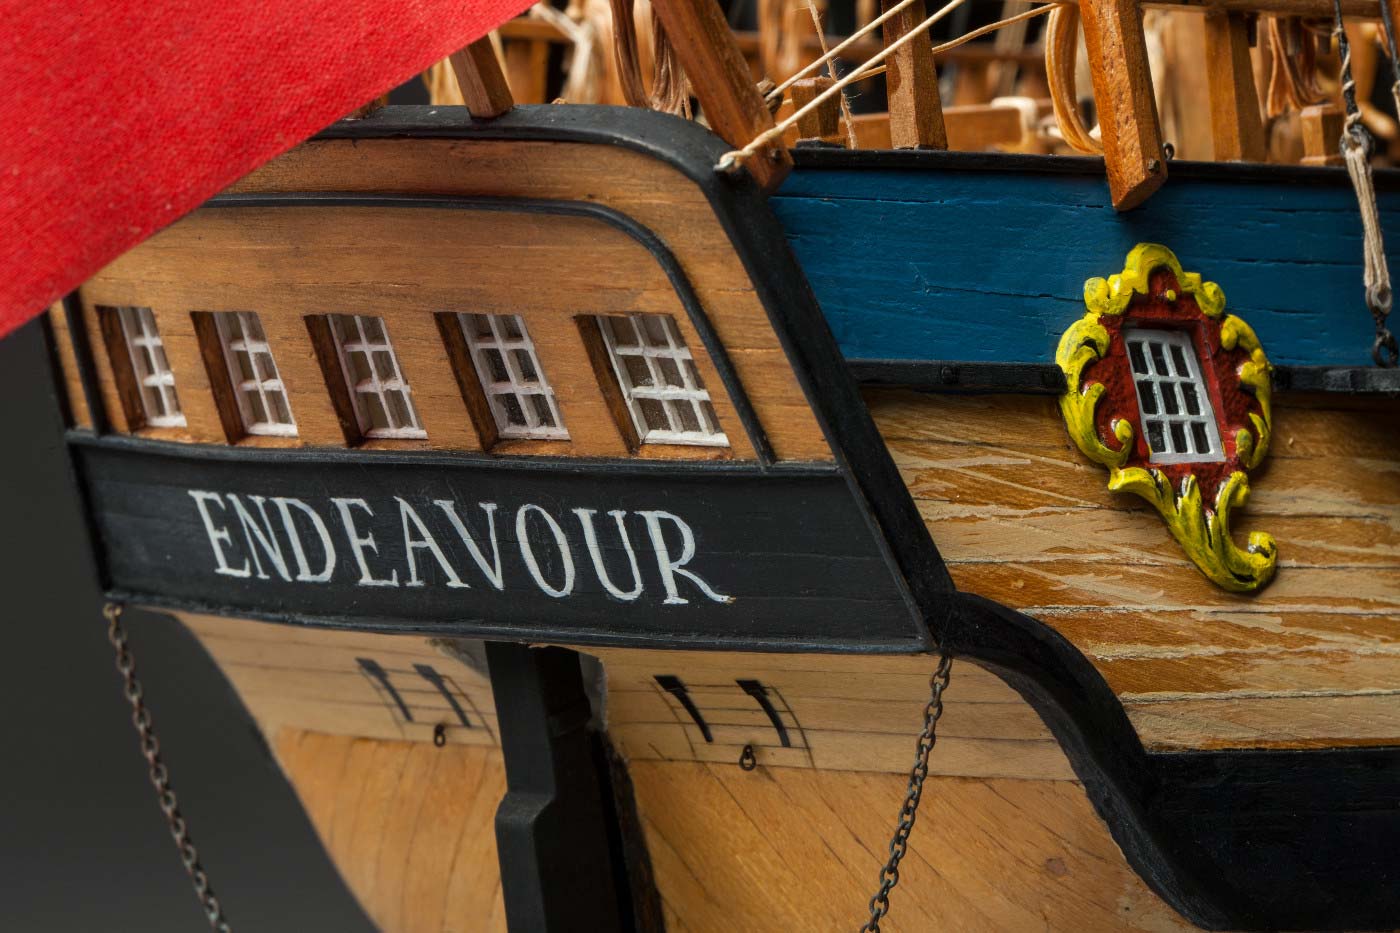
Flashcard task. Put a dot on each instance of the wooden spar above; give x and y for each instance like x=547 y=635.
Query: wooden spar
x=1235 y=125
x=527 y=68
x=722 y=83
x=823 y=123
x=911 y=81
x=483 y=84
x=1132 y=136
x=1322 y=134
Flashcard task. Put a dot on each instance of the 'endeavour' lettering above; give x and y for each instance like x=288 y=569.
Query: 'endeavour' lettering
x=442 y=548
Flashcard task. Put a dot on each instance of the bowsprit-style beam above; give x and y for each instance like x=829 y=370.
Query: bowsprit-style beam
x=1132 y=136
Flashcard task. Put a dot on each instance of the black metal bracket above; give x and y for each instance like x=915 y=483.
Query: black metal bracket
x=759 y=692
x=428 y=673
x=672 y=685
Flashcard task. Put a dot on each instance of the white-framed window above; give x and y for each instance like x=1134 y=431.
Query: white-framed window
x=257 y=386
x=510 y=374
x=155 y=383
x=381 y=397
x=1173 y=403
x=659 y=381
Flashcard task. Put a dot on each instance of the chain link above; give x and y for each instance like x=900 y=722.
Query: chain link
x=160 y=775
x=889 y=874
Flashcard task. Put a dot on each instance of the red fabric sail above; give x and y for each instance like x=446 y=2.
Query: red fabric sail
x=119 y=116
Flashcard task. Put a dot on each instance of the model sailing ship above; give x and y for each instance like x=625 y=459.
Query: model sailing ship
x=582 y=498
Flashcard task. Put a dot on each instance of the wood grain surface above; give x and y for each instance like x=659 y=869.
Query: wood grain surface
x=838 y=712
x=405 y=265
x=1313 y=660
x=1235 y=124
x=1123 y=96
x=313 y=680
x=781 y=849
x=285 y=267
x=410 y=827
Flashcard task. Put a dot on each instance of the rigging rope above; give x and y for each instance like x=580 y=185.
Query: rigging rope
x=831 y=54
x=1356 y=149
x=734 y=159
x=831 y=71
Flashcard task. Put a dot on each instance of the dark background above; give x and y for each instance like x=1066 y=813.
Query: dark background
x=83 y=844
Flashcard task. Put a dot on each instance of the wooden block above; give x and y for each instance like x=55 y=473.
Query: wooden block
x=1132 y=138
x=824 y=122
x=1235 y=124
x=483 y=84
x=1322 y=134
x=911 y=82
x=722 y=82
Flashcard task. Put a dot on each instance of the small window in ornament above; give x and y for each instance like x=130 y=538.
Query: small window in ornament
x=508 y=368
x=659 y=381
x=257 y=385
x=1177 y=417
x=379 y=394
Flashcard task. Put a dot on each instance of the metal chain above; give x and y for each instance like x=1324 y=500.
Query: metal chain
x=160 y=775
x=889 y=874
x=1357 y=145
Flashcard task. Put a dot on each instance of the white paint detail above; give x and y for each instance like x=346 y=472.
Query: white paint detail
x=358 y=544
x=508 y=368
x=527 y=550
x=260 y=536
x=424 y=541
x=590 y=537
x=155 y=381
x=656 y=373
x=1174 y=406
x=381 y=397
x=492 y=571
x=257 y=385
x=218 y=536
x=671 y=568
x=304 y=574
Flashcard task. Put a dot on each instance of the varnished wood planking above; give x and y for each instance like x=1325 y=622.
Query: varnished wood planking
x=409 y=826
x=67 y=356
x=841 y=712
x=803 y=850
x=650 y=192
x=1022 y=519
x=312 y=679
x=406 y=265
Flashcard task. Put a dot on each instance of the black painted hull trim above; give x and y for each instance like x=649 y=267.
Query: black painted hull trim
x=1233 y=840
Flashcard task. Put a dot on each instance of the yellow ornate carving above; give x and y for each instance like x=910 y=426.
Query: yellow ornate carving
x=1203 y=532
